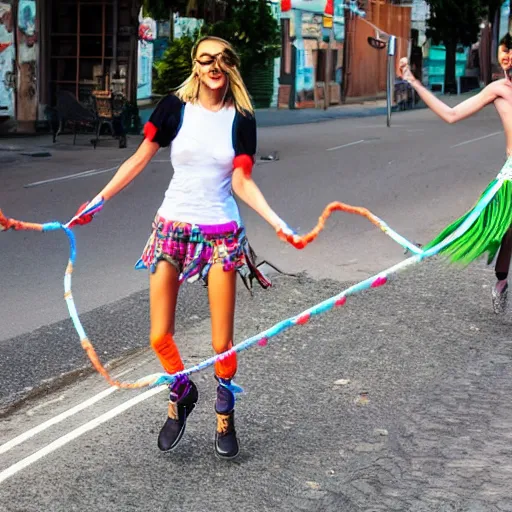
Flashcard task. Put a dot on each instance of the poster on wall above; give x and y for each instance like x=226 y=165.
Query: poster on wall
x=184 y=26
x=147 y=35
x=161 y=43
x=7 y=56
x=27 y=61
x=504 y=19
x=339 y=20
x=304 y=75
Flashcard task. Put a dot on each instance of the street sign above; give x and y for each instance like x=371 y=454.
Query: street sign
x=378 y=44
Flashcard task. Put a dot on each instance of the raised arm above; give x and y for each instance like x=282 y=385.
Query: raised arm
x=449 y=114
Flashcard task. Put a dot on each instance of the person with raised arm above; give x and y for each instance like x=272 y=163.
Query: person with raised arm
x=491 y=231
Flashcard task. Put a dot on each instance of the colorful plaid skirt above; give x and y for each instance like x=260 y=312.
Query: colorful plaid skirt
x=192 y=249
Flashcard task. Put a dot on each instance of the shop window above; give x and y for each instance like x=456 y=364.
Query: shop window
x=82 y=46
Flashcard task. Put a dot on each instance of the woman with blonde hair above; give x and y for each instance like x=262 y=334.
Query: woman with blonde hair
x=198 y=232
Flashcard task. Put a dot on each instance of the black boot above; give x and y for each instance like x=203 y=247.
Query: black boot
x=182 y=400
x=226 y=442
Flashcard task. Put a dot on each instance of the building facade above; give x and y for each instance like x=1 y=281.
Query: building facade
x=73 y=45
x=19 y=61
x=326 y=55
x=313 y=34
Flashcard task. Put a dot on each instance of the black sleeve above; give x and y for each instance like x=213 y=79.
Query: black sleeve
x=165 y=121
x=245 y=139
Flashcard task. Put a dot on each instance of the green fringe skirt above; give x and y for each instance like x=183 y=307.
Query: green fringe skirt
x=487 y=231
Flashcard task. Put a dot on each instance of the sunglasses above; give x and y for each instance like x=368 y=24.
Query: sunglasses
x=226 y=57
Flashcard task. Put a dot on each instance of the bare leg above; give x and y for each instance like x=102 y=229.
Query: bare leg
x=222 y=295
x=500 y=289
x=505 y=254
x=163 y=296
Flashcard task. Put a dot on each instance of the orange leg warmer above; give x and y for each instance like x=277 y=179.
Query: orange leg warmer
x=225 y=368
x=168 y=353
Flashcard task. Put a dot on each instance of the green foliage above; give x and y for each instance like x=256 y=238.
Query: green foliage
x=249 y=26
x=175 y=65
x=252 y=29
x=458 y=21
x=160 y=9
x=455 y=22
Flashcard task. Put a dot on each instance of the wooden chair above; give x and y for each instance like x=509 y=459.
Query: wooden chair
x=110 y=111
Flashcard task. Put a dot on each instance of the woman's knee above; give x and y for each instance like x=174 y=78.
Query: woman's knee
x=221 y=344
x=155 y=335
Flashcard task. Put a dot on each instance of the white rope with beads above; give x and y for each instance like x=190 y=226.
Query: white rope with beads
x=506 y=171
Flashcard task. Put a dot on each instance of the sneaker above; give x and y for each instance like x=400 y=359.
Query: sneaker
x=499 y=299
x=226 y=442
x=180 y=406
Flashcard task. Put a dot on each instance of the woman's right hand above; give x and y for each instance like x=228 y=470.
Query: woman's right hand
x=91 y=208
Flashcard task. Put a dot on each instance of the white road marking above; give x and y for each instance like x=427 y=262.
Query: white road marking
x=475 y=140
x=61 y=441
x=53 y=421
x=66 y=414
x=346 y=145
x=84 y=174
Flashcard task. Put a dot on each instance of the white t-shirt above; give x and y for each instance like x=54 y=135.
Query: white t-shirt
x=202 y=157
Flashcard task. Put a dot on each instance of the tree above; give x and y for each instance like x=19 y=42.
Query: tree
x=160 y=9
x=209 y=10
x=175 y=65
x=457 y=22
x=247 y=24
x=251 y=28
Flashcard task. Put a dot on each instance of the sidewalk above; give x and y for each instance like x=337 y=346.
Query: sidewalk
x=41 y=145
x=283 y=117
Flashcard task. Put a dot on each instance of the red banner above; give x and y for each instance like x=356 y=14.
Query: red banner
x=286 y=5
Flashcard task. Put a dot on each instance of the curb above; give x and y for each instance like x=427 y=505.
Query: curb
x=265 y=118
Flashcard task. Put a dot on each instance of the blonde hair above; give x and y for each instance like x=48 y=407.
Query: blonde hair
x=188 y=91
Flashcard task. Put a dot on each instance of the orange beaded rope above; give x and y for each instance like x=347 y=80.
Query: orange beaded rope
x=300 y=242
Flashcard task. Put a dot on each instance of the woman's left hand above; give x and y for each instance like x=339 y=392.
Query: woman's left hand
x=284 y=232
x=405 y=71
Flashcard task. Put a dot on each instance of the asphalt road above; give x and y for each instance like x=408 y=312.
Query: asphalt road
x=398 y=401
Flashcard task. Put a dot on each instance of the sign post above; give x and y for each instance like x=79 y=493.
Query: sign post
x=390 y=76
